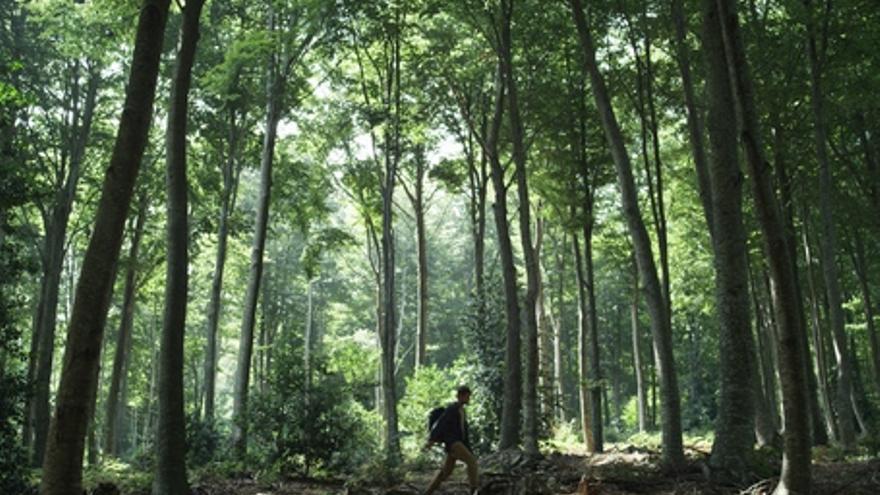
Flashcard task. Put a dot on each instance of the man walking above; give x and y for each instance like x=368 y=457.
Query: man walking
x=452 y=431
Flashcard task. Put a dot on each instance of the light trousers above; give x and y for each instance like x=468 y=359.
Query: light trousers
x=457 y=452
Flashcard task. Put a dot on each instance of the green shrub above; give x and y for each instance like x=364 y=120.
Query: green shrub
x=202 y=440
x=129 y=480
x=297 y=429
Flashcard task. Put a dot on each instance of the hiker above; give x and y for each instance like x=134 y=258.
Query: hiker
x=451 y=429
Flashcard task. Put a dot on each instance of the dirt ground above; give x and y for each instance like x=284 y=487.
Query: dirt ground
x=617 y=472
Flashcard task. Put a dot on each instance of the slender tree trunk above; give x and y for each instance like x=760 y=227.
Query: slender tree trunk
x=734 y=434
x=309 y=336
x=422 y=262
x=530 y=402
x=62 y=468
x=230 y=186
x=170 y=471
x=694 y=119
x=673 y=453
x=830 y=270
x=112 y=423
x=595 y=371
x=54 y=247
x=641 y=394
x=860 y=263
x=545 y=339
x=274 y=86
x=389 y=317
x=584 y=395
x=558 y=325
x=872 y=169
x=511 y=404
x=820 y=435
x=795 y=477
x=766 y=409
x=819 y=359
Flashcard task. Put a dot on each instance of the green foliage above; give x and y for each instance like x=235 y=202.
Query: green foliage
x=482 y=364
x=129 y=479
x=427 y=388
x=202 y=441
x=297 y=428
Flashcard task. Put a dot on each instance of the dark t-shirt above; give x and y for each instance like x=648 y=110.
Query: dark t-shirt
x=451 y=427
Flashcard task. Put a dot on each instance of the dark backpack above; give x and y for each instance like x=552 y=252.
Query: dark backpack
x=434 y=417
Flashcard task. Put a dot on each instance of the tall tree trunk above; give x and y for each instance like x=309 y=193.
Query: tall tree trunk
x=819 y=358
x=388 y=338
x=595 y=371
x=511 y=403
x=795 y=477
x=62 y=468
x=641 y=394
x=830 y=270
x=694 y=119
x=545 y=346
x=54 y=246
x=871 y=166
x=274 y=87
x=123 y=340
x=820 y=435
x=766 y=409
x=860 y=263
x=530 y=402
x=585 y=402
x=418 y=202
x=170 y=474
x=227 y=204
x=673 y=453
x=558 y=325
x=308 y=337
x=734 y=435
x=479 y=181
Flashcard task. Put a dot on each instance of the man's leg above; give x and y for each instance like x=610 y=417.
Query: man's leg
x=445 y=471
x=459 y=451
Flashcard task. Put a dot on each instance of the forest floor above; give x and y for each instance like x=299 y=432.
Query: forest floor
x=627 y=470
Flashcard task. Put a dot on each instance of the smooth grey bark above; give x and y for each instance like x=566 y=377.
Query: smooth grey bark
x=584 y=393
x=227 y=206
x=479 y=179
x=785 y=182
x=766 y=405
x=860 y=264
x=62 y=467
x=545 y=338
x=830 y=270
x=641 y=394
x=170 y=470
x=388 y=337
x=558 y=322
x=820 y=359
x=734 y=436
x=694 y=119
x=530 y=396
x=112 y=424
x=417 y=199
x=511 y=403
x=274 y=86
x=595 y=372
x=796 y=471
x=872 y=169
x=673 y=453
x=52 y=260
x=308 y=337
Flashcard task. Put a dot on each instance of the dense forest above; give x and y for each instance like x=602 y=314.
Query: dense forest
x=246 y=247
